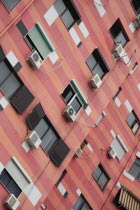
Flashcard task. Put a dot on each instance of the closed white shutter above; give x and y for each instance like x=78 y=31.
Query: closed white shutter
x=118 y=148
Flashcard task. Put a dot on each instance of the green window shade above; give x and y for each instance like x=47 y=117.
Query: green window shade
x=40 y=40
x=79 y=92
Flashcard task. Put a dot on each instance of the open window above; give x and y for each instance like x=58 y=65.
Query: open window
x=97 y=63
x=73 y=96
x=67 y=11
x=118 y=33
x=10 y=4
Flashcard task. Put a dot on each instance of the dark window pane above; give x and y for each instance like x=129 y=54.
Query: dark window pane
x=13 y=188
x=67 y=19
x=86 y=207
x=76 y=104
x=10 y=86
x=5 y=178
x=120 y=39
x=136 y=5
x=68 y=94
x=4 y=71
x=135 y=169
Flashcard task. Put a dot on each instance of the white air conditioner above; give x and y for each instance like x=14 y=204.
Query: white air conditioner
x=11 y=202
x=33 y=139
x=95 y=81
x=35 y=59
x=118 y=52
x=78 y=152
x=69 y=114
x=136 y=22
x=112 y=153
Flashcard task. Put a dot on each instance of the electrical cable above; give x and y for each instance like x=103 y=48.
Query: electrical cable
x=85 y=124
x=52 y=69
x=86 y=156
x=101 y=4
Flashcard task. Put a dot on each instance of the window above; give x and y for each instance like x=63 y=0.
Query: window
x=10 y=4
x=61 y=177
x=73 y=96
x=97 y=64
x=60 y=186
x=8 y=182
x=117 y=93
x=101 y=177
x=37 y=39
x=14 y=178
x=133 y=122
x=136 y=5
x=135 y=169
x=81 y=204
x=118 y=33
x=13 y=88
x=67 y=12
x=119 y=147
x=52 y=144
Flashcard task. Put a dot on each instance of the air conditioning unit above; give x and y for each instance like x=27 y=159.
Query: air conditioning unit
x=69 y=114
x=118 y=52
x=136 y=22
x=95 y=81
x=112 y=153
x=33 y=139
x=11 y=202
x=35 y=59
x=78 y=152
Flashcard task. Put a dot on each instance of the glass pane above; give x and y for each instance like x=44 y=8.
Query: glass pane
x=86 y=207
x=98 y=70
x=135 y=170
x=130 y=119
x=4 y=71
x=48 y=140
x=102 y=181
x=41 y=128
x=5 y=178
x=78 y=204
x=67 y=19
x=76 y=104
x=91 y=62
x=97 y=173
x=13 y=188
x=59 y=6
x=120 y=39
x=10 y=4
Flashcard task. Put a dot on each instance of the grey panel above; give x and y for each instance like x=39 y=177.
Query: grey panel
x=130 y=119
x=10 y=86
x=41 y=128
x=4 y=71
x=10 y=4
x=60 y=7
x=121 y=39
x=67 y=19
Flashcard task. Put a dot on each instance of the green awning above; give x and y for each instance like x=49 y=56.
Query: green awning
x=41 y=40
x=79 y=92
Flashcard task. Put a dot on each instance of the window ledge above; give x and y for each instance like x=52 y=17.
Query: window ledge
x=129 y=176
